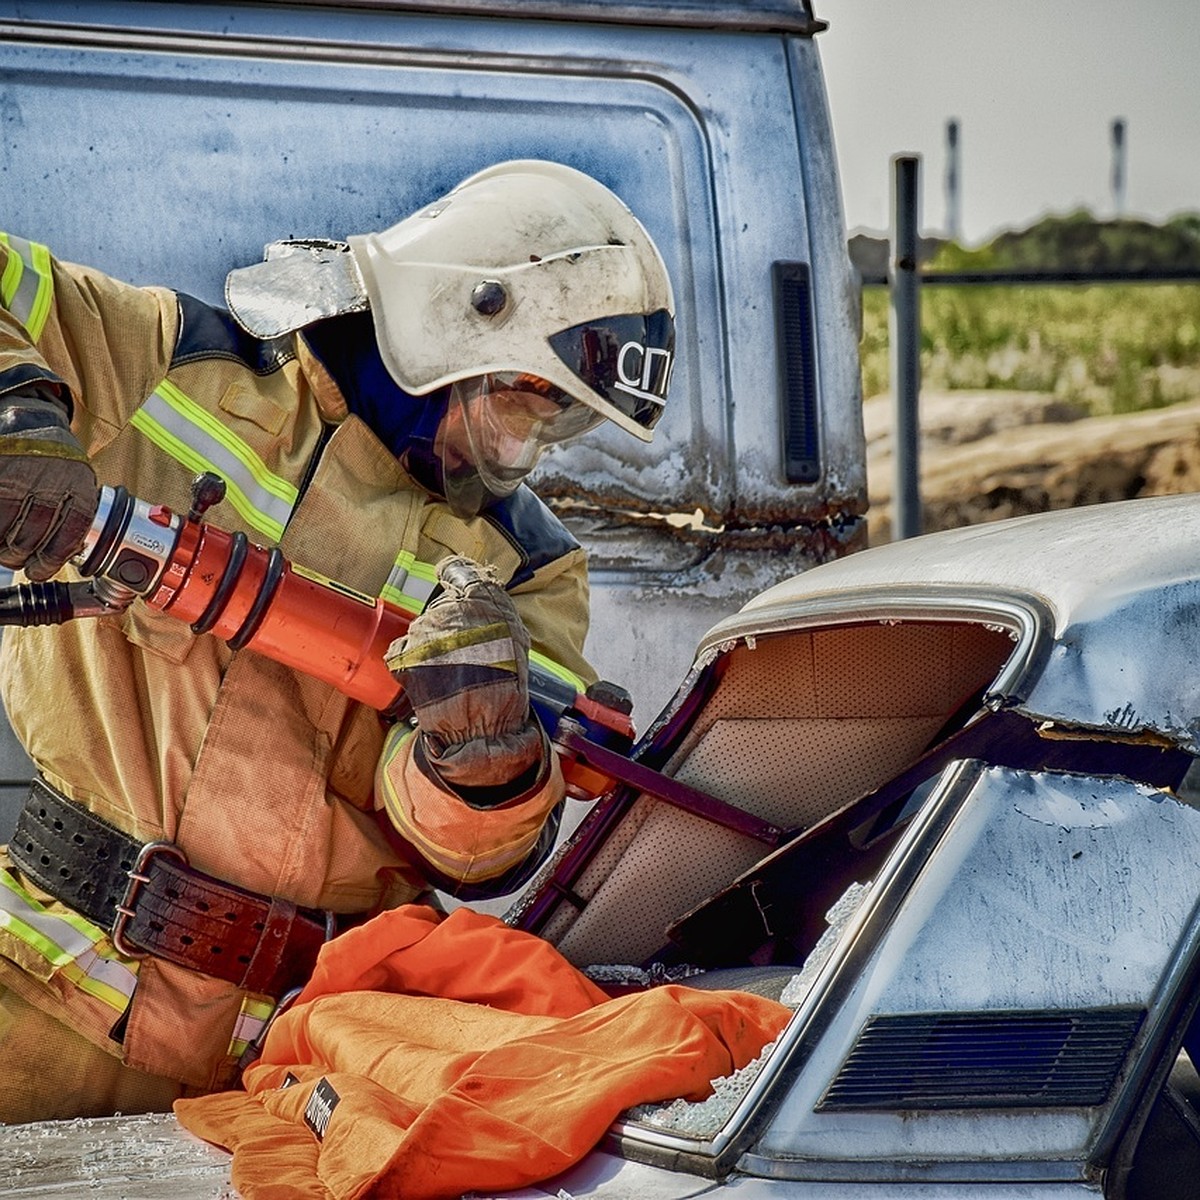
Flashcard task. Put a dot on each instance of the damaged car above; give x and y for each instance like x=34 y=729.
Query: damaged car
x=938 y=798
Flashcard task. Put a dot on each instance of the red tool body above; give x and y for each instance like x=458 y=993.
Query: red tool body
x=289 y=614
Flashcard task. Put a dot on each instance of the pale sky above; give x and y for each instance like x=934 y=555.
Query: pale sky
x=1035 y=86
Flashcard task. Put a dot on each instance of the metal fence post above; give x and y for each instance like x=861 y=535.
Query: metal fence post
x=904 y=343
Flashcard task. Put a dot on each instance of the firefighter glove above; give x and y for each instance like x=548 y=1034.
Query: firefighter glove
x=48 y=491
x=464 y=664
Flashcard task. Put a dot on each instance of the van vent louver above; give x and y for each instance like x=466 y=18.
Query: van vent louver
x=798 y=374
x=984 y=1060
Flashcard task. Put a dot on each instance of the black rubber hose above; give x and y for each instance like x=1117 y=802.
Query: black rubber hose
x=28 y=604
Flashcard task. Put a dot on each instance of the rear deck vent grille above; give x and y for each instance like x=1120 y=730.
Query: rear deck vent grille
x=984 y=1060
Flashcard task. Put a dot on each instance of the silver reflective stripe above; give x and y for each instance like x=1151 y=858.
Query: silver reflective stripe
x=252 y=1020
x=68 y=944
x=27 y=286
x=410 y=582
x=177 y=425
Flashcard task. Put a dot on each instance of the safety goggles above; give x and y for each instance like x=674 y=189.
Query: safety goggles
x=495 y=430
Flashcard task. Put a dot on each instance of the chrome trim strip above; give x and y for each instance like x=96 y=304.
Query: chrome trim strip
x=733 y=18
x=1013 y=1170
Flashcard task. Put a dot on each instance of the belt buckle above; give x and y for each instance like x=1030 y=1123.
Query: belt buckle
x=137 y=880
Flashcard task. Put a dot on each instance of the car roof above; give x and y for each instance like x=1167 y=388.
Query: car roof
x=1111 y=592
x=762 y=16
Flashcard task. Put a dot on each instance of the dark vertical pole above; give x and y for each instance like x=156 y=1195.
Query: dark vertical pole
x=905 y=345
x=1118 y=167
x=953 y=183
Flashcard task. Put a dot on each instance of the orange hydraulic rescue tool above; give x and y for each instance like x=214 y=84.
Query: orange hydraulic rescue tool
x=255 y=599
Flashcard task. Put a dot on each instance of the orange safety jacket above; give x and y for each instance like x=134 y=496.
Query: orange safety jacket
x=428 y=1059
x=263 y=776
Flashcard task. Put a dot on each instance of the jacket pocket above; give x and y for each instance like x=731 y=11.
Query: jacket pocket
x=259 y=409
x=443 y=534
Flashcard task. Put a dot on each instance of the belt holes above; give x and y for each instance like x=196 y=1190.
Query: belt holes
x=202 y=905
x=259 y=926
x=157 y=926
x=45 y=860
x=243 y=958
x=42 y=813
x=78 y=839
x=102 y=854
x=126 y=865
x=172 y=894
x=186 y=939
x=64 y=872
x=214 y=950
x=231 y=917
x=58 y=825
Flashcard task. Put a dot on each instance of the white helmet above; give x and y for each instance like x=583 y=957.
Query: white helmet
x=528 y=268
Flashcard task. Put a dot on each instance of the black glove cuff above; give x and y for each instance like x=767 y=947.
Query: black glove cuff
x=493 y=795
x=33 y=409
x=529 y=780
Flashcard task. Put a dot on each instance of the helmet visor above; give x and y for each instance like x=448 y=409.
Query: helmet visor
x=494 y=432
x=626 y=359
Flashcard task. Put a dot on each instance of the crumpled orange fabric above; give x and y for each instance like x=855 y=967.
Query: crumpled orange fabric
x=464 y=1054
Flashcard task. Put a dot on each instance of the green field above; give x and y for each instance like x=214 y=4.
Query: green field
x=1112 y=348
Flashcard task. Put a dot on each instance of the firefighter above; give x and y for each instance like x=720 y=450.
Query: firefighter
x=373 y=407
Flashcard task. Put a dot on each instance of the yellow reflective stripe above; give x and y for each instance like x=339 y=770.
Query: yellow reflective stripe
x=558 y=670
x=95 y=975
x=258 y=1010
x=45 y=293
x=54 y=954
x=400 y=600
x=68 y=943
x=69 y=937
x=180 y=427
x=27 y=297
x=410 y=582
x=251 y=1021
x=13 y=270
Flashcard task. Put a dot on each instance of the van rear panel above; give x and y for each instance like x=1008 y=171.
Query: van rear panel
x=168 y=142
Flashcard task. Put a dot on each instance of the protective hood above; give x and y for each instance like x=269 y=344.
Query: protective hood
x=407 y=425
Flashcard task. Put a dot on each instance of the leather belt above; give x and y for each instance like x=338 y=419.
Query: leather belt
x=153 y=902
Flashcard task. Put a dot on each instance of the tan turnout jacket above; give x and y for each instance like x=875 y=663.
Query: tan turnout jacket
x=263 y=776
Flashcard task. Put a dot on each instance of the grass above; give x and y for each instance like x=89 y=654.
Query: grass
x=1112 y=348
